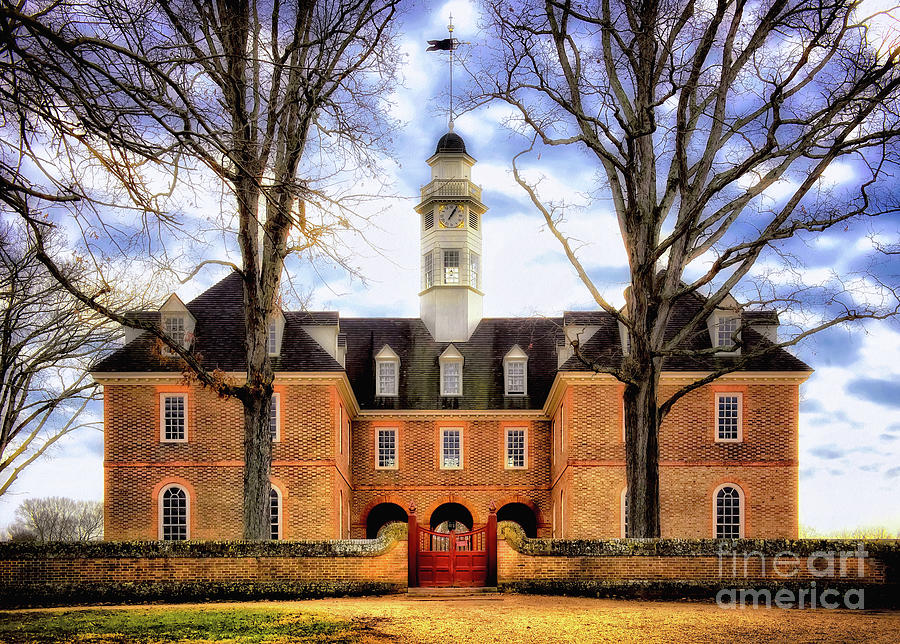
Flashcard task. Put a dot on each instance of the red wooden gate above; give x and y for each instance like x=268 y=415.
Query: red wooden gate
x=454 y=558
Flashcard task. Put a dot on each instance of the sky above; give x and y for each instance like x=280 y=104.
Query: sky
x=850 y=407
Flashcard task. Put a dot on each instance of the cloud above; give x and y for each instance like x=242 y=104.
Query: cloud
x=888 y=437
x=828 y=452
x=892 y=473
x=882 y=392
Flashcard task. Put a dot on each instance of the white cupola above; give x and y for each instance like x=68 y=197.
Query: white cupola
x=450 y=303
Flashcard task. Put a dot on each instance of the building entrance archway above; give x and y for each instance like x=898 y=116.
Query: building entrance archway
x=451 y=553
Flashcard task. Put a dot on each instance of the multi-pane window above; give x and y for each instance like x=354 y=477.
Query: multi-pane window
x=724 y=330
x=272 y=339
x=451 y=267
x=515 y=377
x=387 y=378
x=174 y=417
x=624 y=513
x=728 y=513
x=174 y=514
x=387 y=449
x=515 y=448
x=274 y=514
x=451 y=377
x=473 y=269
x=174 y=326
x=728 y=417
x=428 y=270
x=274 y=413
x=451 y=449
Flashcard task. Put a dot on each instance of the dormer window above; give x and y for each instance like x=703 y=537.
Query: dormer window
x=177 y=322
x=387 y=372
x=272 y=339
x=451 y=372
x=275 y=333
x=515 y=369
x=725 y=329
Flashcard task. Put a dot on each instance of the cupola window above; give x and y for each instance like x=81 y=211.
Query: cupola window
x=451 y=267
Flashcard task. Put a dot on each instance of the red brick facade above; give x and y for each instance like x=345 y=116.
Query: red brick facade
x=324 y=463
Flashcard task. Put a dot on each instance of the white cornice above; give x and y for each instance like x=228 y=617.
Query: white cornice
x=338 y=378
x=564 y=378
x=498 y=414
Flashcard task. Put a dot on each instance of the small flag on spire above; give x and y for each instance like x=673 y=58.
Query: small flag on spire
x=447 y=44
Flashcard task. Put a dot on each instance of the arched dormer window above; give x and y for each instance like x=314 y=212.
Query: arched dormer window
x=728 y=512
x=387 y=372
x=515 y=372
x=451 y=372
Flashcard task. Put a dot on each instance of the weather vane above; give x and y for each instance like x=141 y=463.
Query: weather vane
x=447 y=44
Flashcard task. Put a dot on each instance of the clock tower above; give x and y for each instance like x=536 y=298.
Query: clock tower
x=450 y=213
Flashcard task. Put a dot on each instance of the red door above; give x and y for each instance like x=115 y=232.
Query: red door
x=439 y=559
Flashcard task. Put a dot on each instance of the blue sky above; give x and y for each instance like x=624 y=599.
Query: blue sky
x=850 y=409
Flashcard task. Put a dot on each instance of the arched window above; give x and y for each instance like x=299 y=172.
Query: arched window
x=728 y=512
x=174 y=514
x=274 y=513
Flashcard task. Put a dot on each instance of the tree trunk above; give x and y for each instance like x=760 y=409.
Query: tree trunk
x=642 y=457
x=257 y=465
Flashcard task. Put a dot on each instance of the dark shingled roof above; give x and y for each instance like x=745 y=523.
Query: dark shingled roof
x=419 y=385
x=450 y=142
x=220 y=343
x=220 y=339
x=605 y=346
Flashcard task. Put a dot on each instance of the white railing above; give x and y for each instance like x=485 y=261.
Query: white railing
x=451 y=188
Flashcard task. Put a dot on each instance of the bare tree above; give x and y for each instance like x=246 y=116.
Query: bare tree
x=280 y=102
x=47 y=340
x=690 y=113
x=57 y=519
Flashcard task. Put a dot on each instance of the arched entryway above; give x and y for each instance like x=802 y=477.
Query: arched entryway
x=381 y=515
x=446 y=513
x=521 y=514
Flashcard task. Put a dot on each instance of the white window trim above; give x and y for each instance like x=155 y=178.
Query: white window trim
x=162 y=417
x=444 y=363
x=506 y=432
x=506 y=364
x=462 y=460
x=740 y=417
x=276 y=404
x=396 y=464
x=187 y=514
x=741 y=509
x=272 y=333
x=622 y=502
x=714 y=320
x=378 y=389
x=340 y=428
x=278 y=493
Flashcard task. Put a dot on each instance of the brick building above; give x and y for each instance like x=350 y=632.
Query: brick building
x=450 y=411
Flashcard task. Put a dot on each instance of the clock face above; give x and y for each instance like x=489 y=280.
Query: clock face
x=451 y=215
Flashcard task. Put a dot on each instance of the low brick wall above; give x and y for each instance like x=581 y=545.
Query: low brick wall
x=696 y=567
x=34 y=574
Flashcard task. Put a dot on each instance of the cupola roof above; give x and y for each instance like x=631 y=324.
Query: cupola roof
x=451 y=142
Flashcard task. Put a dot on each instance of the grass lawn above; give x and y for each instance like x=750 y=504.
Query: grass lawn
x=157 y=624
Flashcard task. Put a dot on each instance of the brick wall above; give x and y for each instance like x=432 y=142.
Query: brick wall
x=418 y=478
x=764 y=464
x=310 y=467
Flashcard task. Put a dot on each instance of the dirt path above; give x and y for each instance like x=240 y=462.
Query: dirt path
x=531 y=618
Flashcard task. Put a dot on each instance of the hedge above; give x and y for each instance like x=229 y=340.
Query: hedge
x=884 y=549
x=18 y=550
